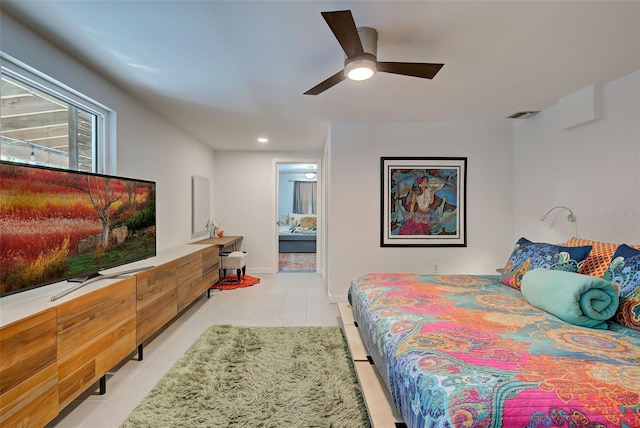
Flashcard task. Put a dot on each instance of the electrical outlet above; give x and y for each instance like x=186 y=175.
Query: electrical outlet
x=435 y=268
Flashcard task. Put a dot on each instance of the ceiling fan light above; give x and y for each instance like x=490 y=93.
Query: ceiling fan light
x=360 y=73
x=360 y=69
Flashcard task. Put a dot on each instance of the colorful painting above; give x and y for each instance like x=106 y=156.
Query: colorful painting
x=423 y=202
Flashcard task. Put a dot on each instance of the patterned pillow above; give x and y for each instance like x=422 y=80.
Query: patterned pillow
x=302 y=220
x=294 y=219
x=599 y=258
x=309 y=222
x=624 y=272
x=529 y=255
x=283 y=220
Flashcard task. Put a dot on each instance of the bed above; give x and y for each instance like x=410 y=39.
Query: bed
x=297 y=233
x=289 y=242
x=470 y=351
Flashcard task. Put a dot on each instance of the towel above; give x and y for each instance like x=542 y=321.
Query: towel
x=575 y=298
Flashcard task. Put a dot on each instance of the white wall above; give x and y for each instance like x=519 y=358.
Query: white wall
x=148 y=146
x=245 y=201
x=285 y=193
x=592 y=169
x=354 y=200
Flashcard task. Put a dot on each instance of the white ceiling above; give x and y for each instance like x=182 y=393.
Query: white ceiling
x=230 y=71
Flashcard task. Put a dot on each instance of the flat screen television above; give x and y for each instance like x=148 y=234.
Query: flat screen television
x=58 y=225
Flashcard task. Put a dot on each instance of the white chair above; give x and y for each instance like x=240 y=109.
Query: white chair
x=236 y=260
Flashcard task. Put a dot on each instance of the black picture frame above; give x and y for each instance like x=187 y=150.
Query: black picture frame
x=423 y=201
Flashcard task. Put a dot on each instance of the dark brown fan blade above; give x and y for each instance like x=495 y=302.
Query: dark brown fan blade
x=415 y=69
x=331 y=81
x=344 y=28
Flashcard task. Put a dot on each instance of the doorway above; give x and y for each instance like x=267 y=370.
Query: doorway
x=297 y=218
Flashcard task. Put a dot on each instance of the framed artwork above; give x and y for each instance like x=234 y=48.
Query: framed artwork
x=423 y=202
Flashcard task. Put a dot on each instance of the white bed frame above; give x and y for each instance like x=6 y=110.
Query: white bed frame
x=382 y=412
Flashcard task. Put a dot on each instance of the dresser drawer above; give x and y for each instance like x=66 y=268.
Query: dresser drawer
x=152 y=317
x=86 y=364
x=155 y=282
x=189 y=279
x=26 y=347
x=85 y=317
x=32 y=403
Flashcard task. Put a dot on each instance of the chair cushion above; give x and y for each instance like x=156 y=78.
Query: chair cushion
x=234 y=260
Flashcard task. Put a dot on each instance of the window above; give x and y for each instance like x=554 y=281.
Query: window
x=304 y=197
x=44 y=123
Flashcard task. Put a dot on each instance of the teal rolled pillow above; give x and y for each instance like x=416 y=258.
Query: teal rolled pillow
x=578 y=299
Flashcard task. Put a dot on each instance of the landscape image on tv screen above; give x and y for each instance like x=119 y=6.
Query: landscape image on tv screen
x=59 y=224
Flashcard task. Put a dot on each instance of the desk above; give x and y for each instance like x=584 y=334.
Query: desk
x=211 y=259
x=222 y=242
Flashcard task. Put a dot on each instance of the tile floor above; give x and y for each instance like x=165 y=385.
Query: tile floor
x=278 y=300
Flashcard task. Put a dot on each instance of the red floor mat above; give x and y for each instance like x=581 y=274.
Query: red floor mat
x=230 y=282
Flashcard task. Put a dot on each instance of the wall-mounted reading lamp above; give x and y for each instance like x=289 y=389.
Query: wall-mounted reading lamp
x=571 y=217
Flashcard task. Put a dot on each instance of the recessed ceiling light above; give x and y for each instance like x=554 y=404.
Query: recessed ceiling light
x=263 y=140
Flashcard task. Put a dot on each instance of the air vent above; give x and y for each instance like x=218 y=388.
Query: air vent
x=522 y=114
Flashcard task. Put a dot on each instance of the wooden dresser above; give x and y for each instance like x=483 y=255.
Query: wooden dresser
x=51 y=352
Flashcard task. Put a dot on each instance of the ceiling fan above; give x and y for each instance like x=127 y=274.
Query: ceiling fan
x=360 y=46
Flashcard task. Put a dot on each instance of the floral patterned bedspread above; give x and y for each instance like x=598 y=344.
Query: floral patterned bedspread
x=468 y=351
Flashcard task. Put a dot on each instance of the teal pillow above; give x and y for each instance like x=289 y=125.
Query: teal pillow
x=578 y=299
x=529 y=255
